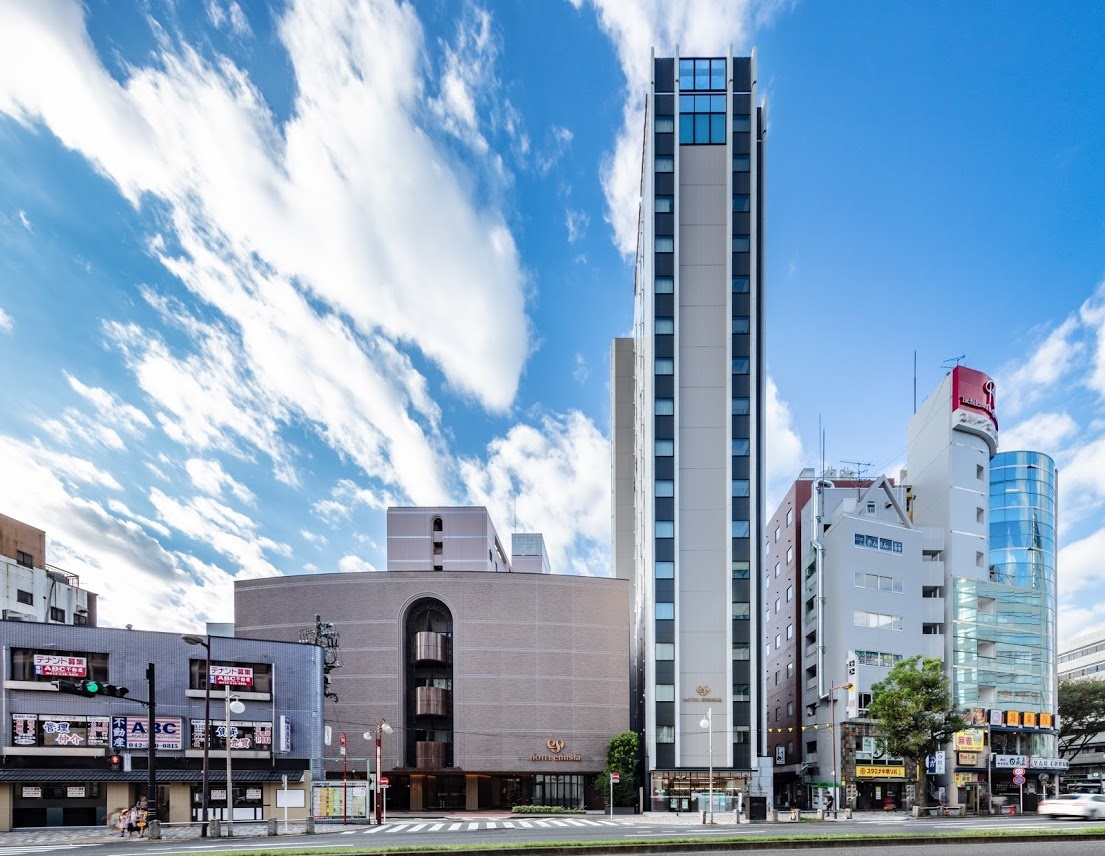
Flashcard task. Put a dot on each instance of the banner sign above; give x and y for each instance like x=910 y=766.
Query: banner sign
x=131 y=732
x=61 y=666
x=231 y=676
x=971 y=740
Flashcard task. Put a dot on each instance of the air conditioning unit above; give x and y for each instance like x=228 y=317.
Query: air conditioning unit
x=15 y=615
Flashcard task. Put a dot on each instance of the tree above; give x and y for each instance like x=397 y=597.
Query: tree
x=913 y=708
x=1081 y=715
x=621 y=758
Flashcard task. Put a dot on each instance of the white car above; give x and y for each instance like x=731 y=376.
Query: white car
x=1089 y=806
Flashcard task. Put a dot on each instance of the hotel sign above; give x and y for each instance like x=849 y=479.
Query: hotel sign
x=556 y=752
x=703 y=691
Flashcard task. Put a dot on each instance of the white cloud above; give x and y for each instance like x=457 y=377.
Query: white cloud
x=580 y=373
x=25 y=220
x=556 y=479
x=1041 y=432
x=784 y=447
x=313 y=538
x=635 y=26
x=553 y=148
x=1080 y=565
x=1025 y=384
x=576 y=223
x=349 y=564
x=211 y=478
x=6 y=322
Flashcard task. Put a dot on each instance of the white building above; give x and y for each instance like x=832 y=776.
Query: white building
x=33 y=590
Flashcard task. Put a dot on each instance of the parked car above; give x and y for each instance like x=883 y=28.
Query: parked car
x=1089 y=806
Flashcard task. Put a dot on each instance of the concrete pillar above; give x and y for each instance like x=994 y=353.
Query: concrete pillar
x=472 y=792
x=271 y=823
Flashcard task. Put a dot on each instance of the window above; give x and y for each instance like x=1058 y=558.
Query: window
x=741 y=733
x=928 y=629
x=877 y=620
x=24 y=559
x=665 y=285
x=790 y=555
x=57 y=614
x=778 y=645
x=978 y=515
x=665 y=125
x=665 y=529
x=740 y=365
x=664 y=407
x=932 y=591
x=740 y=487
x=701 y=74
x=740 y=285
x=741 y=651
x=665 y=733
x=740 y=528
x=740 y=570
x=665 y=244
x=790 y=670
x=741 y=610
x=978 y=560
x=665 y=692
x=742 y=692
x=665 y=570
x=665 y=487
x=27 y=664
x=870 y=508
x=778 y=711
x=740 y=323
x=778 y=605
x=790 y=516
x=665 y=366
x=665 y=611
x=878 y=583
x=663 y=204
x=790 y=712
x=741 y=203
x=740 y=406
x=741 y=244
x=776 y=534
x=740 y=447
x=980 y=471
x=665 y=324
x=742 y=163
x=665 y=651
x=790 y=631
x=777 y=566
x=702 y=119
x=665 y=448
x=742 y=122
x=665 y=163
x=24 y=597
x=790 y=593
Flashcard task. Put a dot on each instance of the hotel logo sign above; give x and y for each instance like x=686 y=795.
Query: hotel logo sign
x=703 y=694
x=556 y=752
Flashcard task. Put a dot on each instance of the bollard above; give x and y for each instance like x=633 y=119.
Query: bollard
x=848 y=814
x=228 y=830
x=773 y=815
x=272 y=826
x=214 y=828
x=821 y=814
x=795 y=814
x=704 y=818
x=310 y=824
x=154 y=830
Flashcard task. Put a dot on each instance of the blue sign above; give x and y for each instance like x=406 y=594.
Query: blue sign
x=118 y=733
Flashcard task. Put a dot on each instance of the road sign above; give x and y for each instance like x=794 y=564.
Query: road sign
x=383 y=781
x=1018 y=780
x=1019 y=771
x=615 y=777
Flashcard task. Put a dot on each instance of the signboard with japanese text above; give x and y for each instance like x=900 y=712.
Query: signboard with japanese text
x=971 y=740
x=167 y=732
x=253 y=793
x=24 y=729
x=61 y=666
x=285 y=734
x=32 y=792
x=866 y=771
x=968 y=759
x=1009 y=762
x=75 y=791
x=232 y=676
x=1046 y=720
x=63 y=731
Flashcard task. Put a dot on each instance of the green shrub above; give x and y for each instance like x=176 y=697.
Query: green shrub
x=545 y=809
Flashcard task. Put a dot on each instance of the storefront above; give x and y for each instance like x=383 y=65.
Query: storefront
x=689 y=790
x=879 y=787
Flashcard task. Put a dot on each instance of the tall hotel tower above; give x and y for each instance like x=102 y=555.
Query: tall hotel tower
x=688 y=426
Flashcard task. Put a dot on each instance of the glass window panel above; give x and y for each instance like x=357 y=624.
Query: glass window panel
x=665 y=366
x=740 y=528
x=664 y=204
x=740 y=487
x=665 y=692
x=686 y=71
x=702 y=104
x=717 y=128
x=665 y=487
x=741 y=651
x=665 y=448
x=741 y=692
x=740 y=406
x=665 y=285
x=665 y=124
x=740 y=244
x=701 y=128
x=740 y=285
x=665 y=325
x=741 y=610
x=665 y=407
x=665 y=733
x=717 y=104
x=742 y=163
x=740 y=324
x=740 y=447
x=665 y=651
x=665 y=570
x=717 y=74
x=702 y=78
x=742 y=122
x=686 y=128
x=742 y=202
x=686 y=103
x=740 y=365
x=740 y=570
x=665 y=244
x=665 y=163
x=665 y=611
x=665 y=529
x=860 y=579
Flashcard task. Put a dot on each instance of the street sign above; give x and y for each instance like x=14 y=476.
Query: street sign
x=1019 y=771
x=615 y=777
x=383 y=781
x=1018 y=780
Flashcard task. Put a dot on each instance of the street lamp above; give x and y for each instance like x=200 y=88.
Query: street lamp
x=206 y=643
x=377 y=734
x=836 y=737
x=234 y=706
x=708 y=722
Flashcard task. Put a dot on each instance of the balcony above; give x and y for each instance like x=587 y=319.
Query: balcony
x=429 y=756
x=431 y=647
x=431 y=701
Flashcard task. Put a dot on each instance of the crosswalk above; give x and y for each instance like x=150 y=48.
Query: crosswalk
x=474 y=826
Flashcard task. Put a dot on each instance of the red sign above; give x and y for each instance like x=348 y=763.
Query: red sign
x=615 y=777
x=974 y=390
x=59 y=666
x=383 y=781
x=234 y=676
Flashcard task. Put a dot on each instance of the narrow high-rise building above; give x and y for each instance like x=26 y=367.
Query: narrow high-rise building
x=688 y=476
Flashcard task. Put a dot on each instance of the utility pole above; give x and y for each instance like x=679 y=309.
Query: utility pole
x=151 y=781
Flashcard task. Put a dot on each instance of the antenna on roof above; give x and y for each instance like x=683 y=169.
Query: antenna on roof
x=860 y=467
x=952 y=362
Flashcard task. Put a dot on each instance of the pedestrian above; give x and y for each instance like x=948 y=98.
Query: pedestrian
x=829 y=802
x=132 y=821
x=121 y=822
x=140 y=820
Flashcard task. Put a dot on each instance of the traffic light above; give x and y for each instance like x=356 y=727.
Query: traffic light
x=115 y=762
x=90 y=689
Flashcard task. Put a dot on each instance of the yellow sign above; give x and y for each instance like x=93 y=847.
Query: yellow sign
x=1029 y=719
x=968 y=759
x=870 y=771
x=1045 y=720
x=1012 y=717
x=971 y=740
x=964 y=779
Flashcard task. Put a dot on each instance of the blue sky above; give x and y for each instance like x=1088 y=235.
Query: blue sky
x=267 y=269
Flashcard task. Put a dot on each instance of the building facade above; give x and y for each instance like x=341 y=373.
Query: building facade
x=697 y=434
x=501 y=686
x=33 y=590
x=1083 y=658
x=58 y=748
